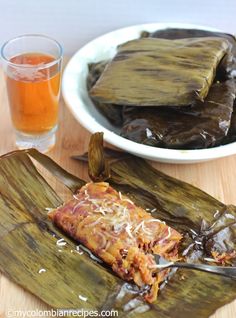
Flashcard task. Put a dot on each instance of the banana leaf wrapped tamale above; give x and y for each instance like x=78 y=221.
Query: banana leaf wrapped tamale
x=204 y=134
x=204 y=124
x=160 y=72
x=208 y=137
x=111 y=112
x=121 y=234
x=224 y=71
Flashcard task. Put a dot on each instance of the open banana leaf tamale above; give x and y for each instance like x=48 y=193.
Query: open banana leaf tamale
x=120 y=233
x=160 y=72
x=33 y=256
x=204 y=124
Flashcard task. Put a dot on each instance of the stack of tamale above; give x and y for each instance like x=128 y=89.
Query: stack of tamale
x=172 y=88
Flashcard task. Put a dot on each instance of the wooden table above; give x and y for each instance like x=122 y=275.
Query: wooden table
x=218 y=178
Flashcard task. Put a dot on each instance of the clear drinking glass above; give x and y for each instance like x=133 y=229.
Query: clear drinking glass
x=32 y=65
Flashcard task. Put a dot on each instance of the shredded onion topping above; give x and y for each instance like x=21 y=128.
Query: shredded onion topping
x=117 y=214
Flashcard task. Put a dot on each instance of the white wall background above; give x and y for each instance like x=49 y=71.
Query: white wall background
x=75 y=22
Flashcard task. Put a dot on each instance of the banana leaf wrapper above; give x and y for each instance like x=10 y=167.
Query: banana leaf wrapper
x=204 y=124
x=160 y=72
x=111 y=112
x=174 y=34
x=29 y=240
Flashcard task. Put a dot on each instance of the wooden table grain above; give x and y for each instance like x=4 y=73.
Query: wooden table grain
x=218 y=178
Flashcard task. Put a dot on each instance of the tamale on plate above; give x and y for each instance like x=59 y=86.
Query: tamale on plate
x=160 y=72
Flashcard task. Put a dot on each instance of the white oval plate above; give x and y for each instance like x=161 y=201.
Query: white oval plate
x=77 y=99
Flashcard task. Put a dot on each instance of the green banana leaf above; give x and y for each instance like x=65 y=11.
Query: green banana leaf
x=160 y=72
x=29 y=240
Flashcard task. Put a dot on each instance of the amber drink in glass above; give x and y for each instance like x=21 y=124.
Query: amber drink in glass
x=32 y=64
